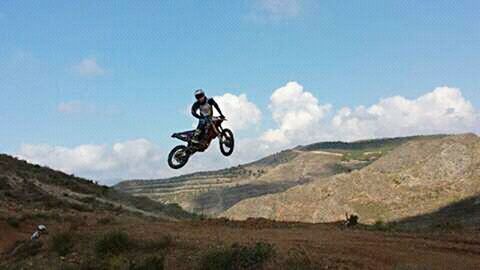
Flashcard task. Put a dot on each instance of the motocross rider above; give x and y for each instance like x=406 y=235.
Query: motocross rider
x=202 y=109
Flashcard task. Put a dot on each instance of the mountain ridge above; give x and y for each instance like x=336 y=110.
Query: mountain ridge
x=430 y=174
x=213 y=192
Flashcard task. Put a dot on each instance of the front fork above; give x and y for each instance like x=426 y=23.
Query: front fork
x=218 y=130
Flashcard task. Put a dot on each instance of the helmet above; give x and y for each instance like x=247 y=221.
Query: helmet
x=199 y=94
x=42 y=228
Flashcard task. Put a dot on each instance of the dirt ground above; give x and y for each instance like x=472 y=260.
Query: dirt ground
x=321 y=246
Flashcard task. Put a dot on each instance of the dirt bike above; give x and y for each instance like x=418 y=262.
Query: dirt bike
x=180 y=154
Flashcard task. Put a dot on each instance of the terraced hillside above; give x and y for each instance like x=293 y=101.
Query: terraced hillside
x=212 y=193
x=417 y=178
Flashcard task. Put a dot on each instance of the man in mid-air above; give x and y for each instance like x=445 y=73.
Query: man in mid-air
x=202 y=109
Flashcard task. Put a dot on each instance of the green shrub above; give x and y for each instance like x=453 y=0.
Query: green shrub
x=4 y=183
x=87 y=199
x=13 y=222
x=91 y=263
x=80 y=207
x=151 y=263
x=112 y=243
x=158 y=244
x=448 y=226
x=237 y=257
x=51 y=202
x=117 y=262
x=298 y=259
x=106 y=220
x=379 y=225
x=62 y=243
x=382 y=226
x=38 y=215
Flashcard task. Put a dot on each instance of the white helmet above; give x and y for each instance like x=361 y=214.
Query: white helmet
x=199 y=94
x=42 y=228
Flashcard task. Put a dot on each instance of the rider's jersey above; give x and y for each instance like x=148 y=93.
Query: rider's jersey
x=205 y=109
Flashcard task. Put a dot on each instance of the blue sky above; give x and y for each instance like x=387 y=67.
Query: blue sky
x=101 y=72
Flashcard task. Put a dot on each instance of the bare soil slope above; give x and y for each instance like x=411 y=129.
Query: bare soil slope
x=415 y=178
x=213 y=192
x=29 y=187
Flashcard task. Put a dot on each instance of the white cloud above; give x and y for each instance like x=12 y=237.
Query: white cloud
x=275 y=10
x=133 y=159
x=299 y=117
x=295 y=111
x=130 y=159
x=443 y=110
x=89 y=67
x=240 y=112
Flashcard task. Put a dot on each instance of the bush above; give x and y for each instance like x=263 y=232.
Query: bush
x=123 y=262
x=298 y=259
x=51 y=202
x=62 y=243
x=79 y=207
x=151 y=263
x=237 y=257
x=87 y=199
x=4 y=183
x=91 y=263
x=112 y=243
x=117 y=262
x=13 y=222
x=447 y=226
x=382 y=226
x=106 y=220
x=158 y=245
x=38 y=215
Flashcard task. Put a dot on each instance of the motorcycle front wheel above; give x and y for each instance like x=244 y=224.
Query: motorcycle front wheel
x=227 y=142
x=178 y=157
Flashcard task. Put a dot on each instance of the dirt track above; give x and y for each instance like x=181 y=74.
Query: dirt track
x=336 y=248
x=327 y=246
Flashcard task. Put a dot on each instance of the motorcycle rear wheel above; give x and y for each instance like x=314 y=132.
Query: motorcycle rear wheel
x=178 y=157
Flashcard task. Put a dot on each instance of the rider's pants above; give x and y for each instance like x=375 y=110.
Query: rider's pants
x=202 y=125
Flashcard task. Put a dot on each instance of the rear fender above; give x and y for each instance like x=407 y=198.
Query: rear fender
x=185 y=136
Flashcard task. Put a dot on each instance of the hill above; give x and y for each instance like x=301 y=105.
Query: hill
x=416 y=178
x=27 y=187
x=213 y=192
x=96 y=227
